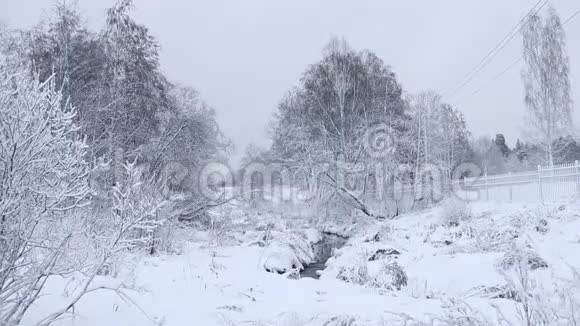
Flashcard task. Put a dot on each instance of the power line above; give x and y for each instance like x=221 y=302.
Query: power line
x=576 y=13
x=496 y=50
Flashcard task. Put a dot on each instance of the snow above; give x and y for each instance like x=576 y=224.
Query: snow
x=281 y=258
x=229 y=284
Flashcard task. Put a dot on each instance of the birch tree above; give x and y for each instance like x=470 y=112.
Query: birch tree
x=440 y=141
x=546 y=82
x=328 y=122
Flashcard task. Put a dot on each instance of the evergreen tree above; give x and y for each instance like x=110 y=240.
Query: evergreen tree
x=501 y=145
x=520 y=150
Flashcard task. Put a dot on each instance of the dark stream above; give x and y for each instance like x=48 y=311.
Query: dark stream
x=323 y=250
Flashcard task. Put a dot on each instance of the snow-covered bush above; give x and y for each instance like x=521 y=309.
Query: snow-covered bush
x=530 y=306
x=521 y=255
x=567 y=300
x=382 y=273
x=280 y=258
x=455 y=313
x=137 y=204
x=43 y=179
x=458 y=312
x=172 y=235
x=485 y=237
x=342 y=320
x=536 y=304
x=494 y=239
x=421 y=290
x=390 y=277
x=218 y=228
x=288 y=251
x=532 y=220
x=356 y=273
x=455 y=211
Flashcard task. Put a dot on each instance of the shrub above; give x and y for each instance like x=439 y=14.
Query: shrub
x=383 y=275
x=43 y=183
x=517 y=256
x=390 y=277
x=455 y=211
x=356 y=274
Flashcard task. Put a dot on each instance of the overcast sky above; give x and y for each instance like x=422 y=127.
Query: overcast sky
x=244 y=55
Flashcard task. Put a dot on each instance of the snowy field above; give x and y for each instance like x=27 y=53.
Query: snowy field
x=443 y=266
x=316 y=190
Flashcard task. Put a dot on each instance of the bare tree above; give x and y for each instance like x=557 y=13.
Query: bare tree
x=439 y=136
x=340 y=122
x=546 y=82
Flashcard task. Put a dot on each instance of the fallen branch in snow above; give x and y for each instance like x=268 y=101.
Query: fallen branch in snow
x=191 y=215
x=359 y=203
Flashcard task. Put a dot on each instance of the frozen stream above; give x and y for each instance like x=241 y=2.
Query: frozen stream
x=323 y=250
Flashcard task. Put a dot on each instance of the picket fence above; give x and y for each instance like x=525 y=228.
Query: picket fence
x=547 y=184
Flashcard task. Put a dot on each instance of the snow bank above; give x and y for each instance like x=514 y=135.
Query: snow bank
x=452 y=271
x=290 y=251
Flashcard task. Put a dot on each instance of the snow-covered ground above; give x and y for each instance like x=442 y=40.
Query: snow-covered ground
x=447 y=263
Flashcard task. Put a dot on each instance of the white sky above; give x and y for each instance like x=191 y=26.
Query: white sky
x=244 y=55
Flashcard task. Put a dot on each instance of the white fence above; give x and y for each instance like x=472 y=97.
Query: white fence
x=547 y=184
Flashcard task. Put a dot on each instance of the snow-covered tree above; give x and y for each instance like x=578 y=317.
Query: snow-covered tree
x=439 y=136
x=43 y=177
x=133 y=223
x=334 y=125
x=189 y=139
x=112 y=78
x=500 y=142
x=134 y=86
x=546 y=82
x=189 y=133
